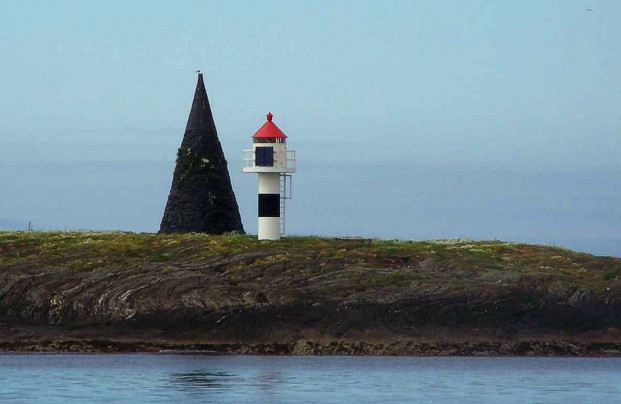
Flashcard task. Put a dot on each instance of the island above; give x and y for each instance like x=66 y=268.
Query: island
x=87 y=291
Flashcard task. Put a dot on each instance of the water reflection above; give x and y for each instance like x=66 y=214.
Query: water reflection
x=267 y=384
x=216 y=380
x=260 y=385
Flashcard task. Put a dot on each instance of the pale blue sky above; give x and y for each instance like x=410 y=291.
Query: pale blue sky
x=426 y=119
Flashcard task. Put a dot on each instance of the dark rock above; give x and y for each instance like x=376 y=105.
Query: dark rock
x=201 y=197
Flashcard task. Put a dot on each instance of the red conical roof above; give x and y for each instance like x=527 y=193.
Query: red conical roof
x=269 y=129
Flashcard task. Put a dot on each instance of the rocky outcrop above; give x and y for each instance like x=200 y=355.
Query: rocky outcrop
x=201 y=197
x=110 y=291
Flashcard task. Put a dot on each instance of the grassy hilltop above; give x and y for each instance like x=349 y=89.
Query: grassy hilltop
x=125 y=291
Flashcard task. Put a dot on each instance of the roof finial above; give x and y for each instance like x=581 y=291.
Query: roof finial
x=269 y=116
x=198 y=71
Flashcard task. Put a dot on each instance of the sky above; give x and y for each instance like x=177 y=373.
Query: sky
x=412 y=120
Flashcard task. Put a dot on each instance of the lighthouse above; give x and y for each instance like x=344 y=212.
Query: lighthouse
x=274 y=164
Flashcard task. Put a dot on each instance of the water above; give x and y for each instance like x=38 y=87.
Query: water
x=61 y=378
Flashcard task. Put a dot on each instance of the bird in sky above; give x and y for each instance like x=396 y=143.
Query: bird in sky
x=589 y=9
x=198 y=71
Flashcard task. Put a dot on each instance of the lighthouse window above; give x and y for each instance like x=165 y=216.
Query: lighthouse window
x=264 y=156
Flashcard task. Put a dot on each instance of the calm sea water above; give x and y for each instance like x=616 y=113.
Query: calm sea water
x=60 y=378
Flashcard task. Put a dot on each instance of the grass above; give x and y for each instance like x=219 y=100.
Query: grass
x=378 y=262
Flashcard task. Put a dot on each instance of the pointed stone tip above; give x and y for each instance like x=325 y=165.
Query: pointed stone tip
x=200 y=112
x=199 y=78
x=269 y=116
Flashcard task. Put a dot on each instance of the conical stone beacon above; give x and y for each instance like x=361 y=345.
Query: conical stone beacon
x=201 y=197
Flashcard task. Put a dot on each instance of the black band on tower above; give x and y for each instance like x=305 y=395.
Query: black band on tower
x=269 y=205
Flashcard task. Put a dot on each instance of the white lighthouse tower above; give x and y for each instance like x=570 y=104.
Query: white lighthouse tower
x=274 y=164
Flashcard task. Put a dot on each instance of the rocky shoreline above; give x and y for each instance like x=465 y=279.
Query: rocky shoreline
x=338 y=348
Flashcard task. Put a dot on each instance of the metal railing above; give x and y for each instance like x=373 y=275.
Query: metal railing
x=290 y=161
x=248 y=158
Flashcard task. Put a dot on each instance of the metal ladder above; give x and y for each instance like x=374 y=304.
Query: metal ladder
x=283 y=198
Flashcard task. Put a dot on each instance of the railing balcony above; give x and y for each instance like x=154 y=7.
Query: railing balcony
x=248 y=158
x=282 y=162
x=290 y=161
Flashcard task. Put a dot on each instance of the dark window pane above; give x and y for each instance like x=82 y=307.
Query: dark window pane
x=264 y=157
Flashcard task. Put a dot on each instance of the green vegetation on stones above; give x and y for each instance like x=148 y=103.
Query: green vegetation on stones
x=190 y=163
x=242 y=258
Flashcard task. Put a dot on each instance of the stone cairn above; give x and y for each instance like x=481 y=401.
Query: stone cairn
x=201 y=197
